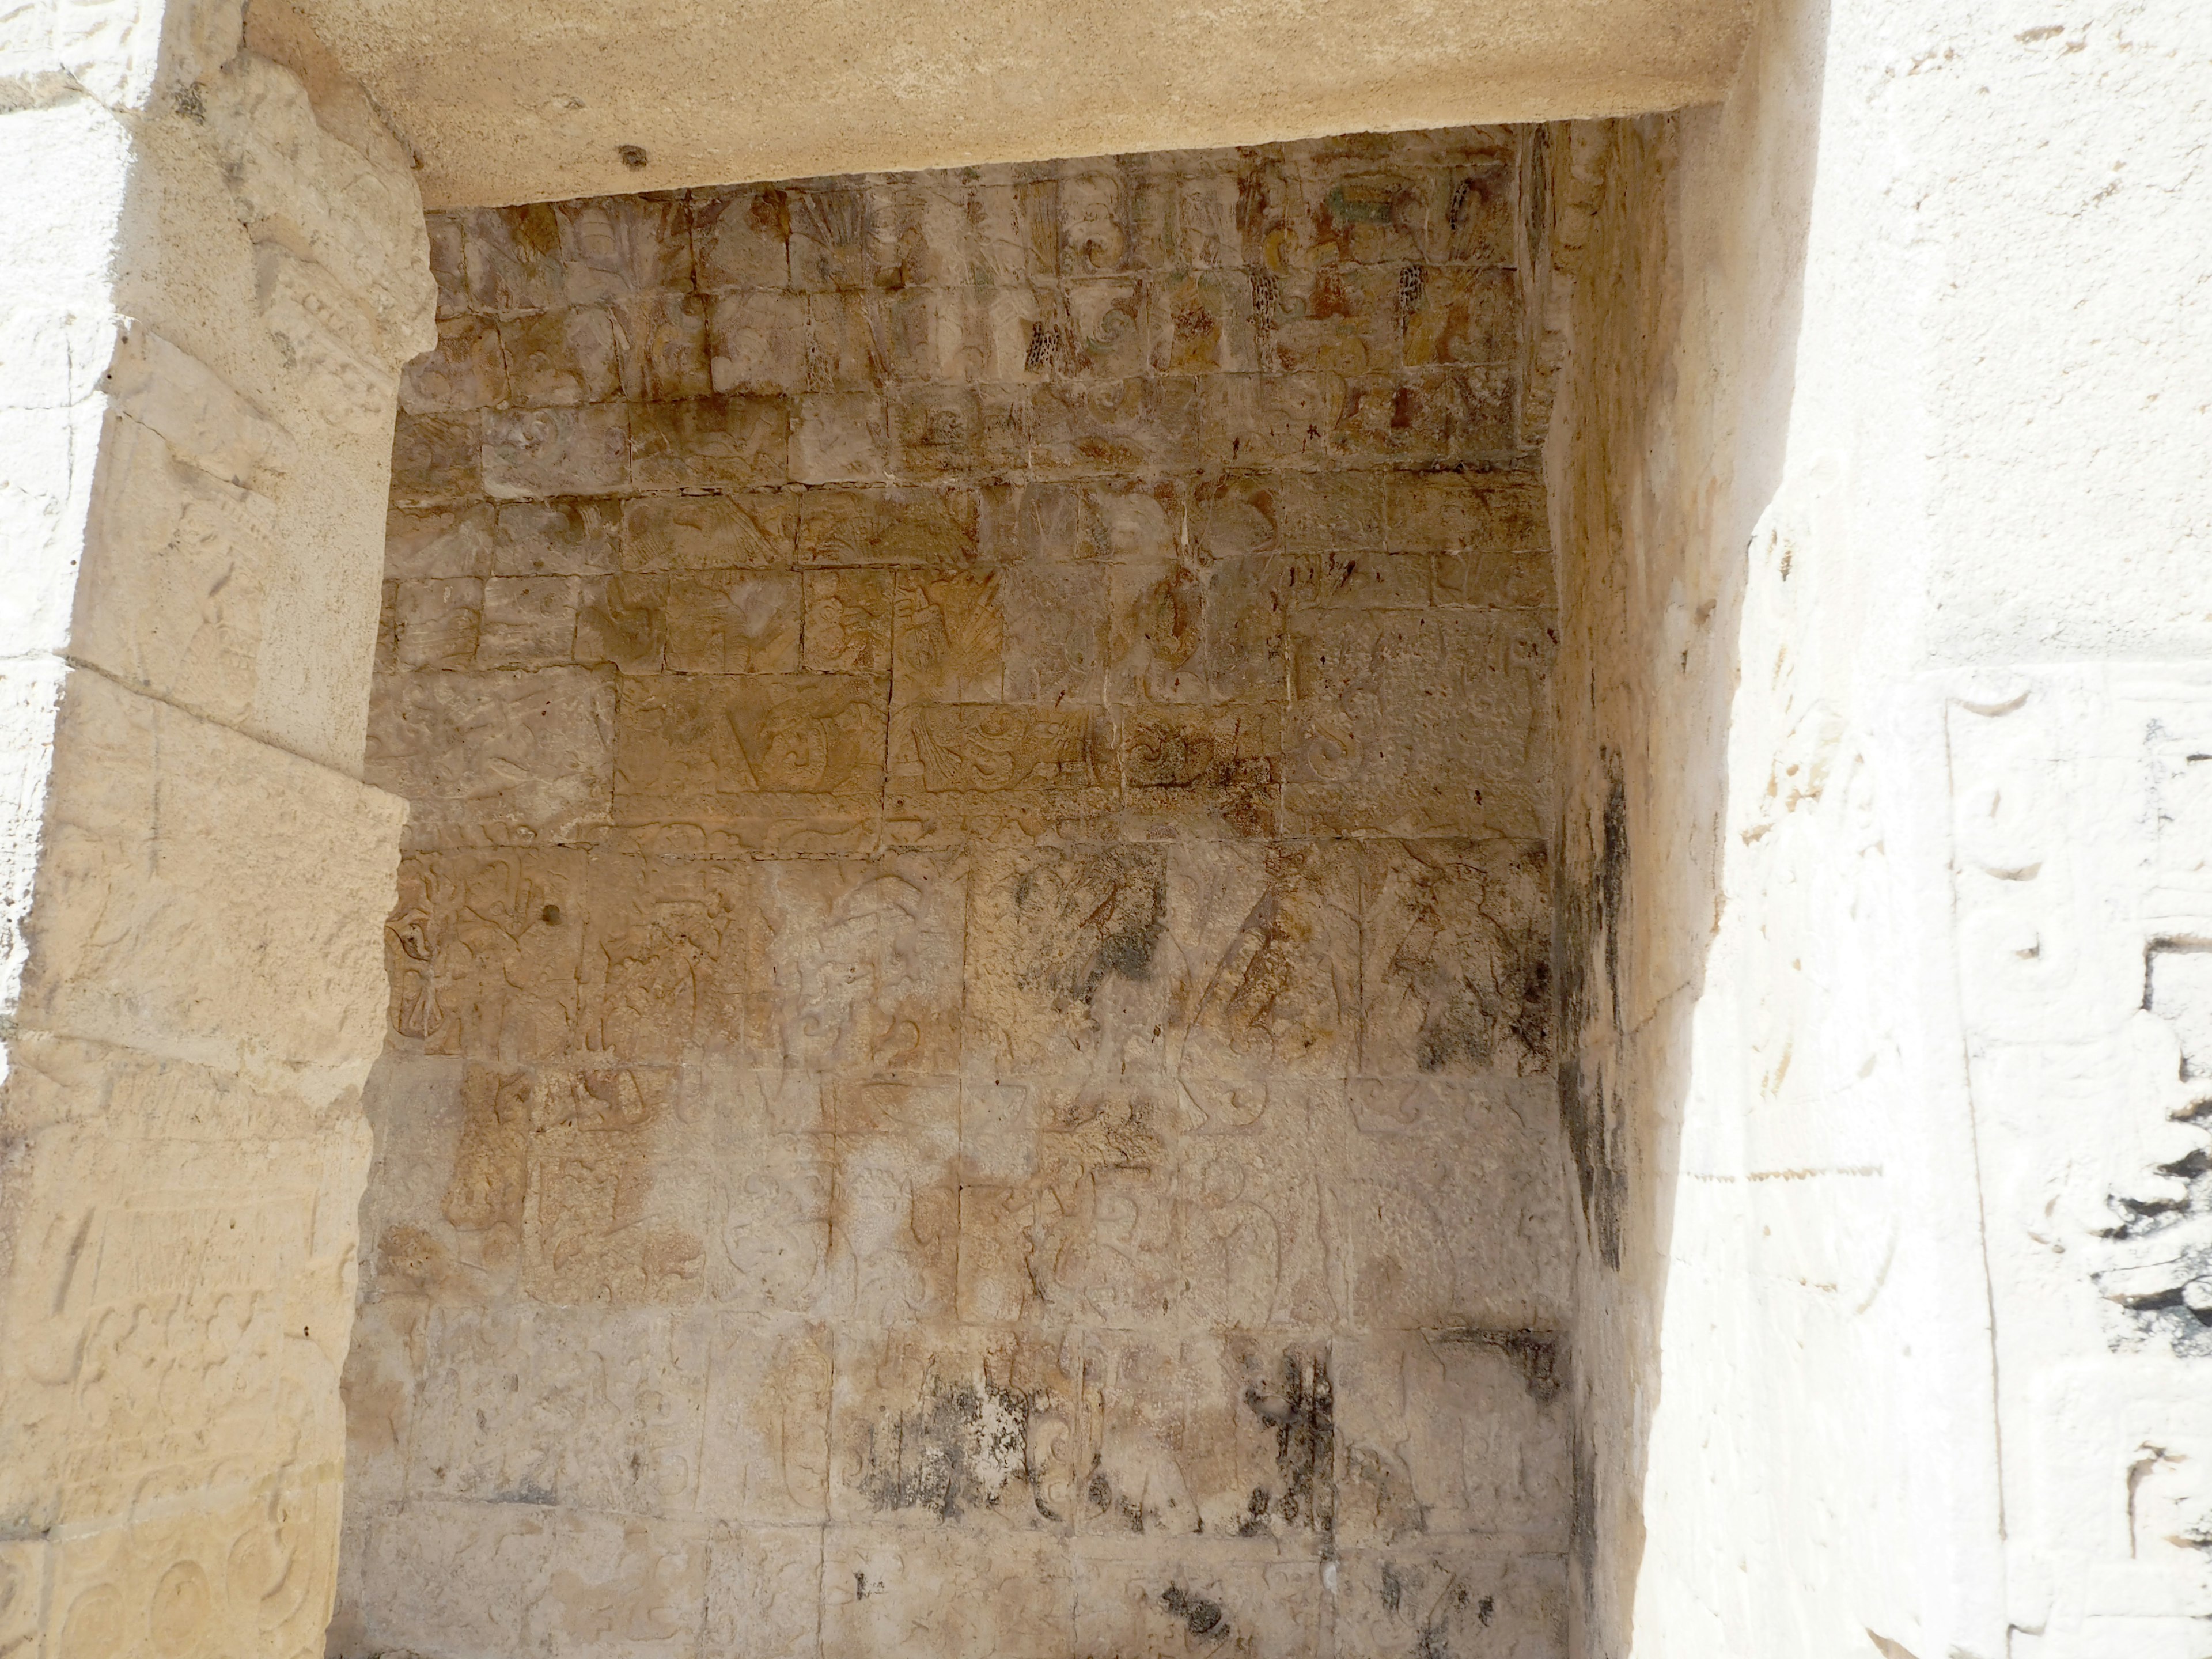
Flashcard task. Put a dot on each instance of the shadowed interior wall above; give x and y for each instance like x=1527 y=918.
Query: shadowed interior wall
x=968 y=1068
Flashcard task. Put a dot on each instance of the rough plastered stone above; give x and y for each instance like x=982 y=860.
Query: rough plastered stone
x=969 y=1065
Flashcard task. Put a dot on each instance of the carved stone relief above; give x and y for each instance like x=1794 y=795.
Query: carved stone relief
x=969 y=1065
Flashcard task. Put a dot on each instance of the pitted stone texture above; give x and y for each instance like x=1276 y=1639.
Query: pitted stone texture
x=970 y=1066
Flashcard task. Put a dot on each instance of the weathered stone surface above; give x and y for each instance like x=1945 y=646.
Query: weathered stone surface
x=974 y=964
x=204 y=335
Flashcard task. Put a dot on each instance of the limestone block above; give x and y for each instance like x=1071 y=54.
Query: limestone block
x=1292 y=512
x=436 y=622
x=23 y=1594
x=1226 y=956
x=663 y=956
x=528 y=621
x=1182 y=214
x=167 y=840
x=735 y=622
x=766 y=1417
x=848 y=621
x=846 y=348
x=990 y=335
x=556 y=452
x=382 y=1363
x=741 y=237
x=938 y=1425
x=439 y=542
x=951 y=432
x=1214 y=632
x=1452 y=1596
x=895 y=1217
x=710 y=532
x=506 y=1578
x=1029 y=634
x=663 y=343
x=856 y=966
x=1230 y=1436
x=166 y=1336
x=544 y=256
x=757 y=343
x=988 y=230
x=483 y=949
x=774 y=1252
x=1143 y=425
x=622 y=621
x=467 y=370
x=1315 y=418
x=712 y=443
x=51 y=415
x=1341 y=319
x=586 y=1408
x=1109 y=518
x=556 y=538
x=436 y=459
x=1196 y=1598
x=886 y=1591
x=764 y=1592
x=443 y=1219
x=1381 y=735
x=990 y=771
x=1456 y=936
x=220 y=1577
x=174 y=586
x=621 y=1199
x=497 y=757
x=1203 y=322
x=1445 y=1205
x=786 y=761
x=448 y=238
x=1445 y=1433
x=829 y=238
x=1461 y=314
x=566 y=356
x=1106 y=336
x=944 y=528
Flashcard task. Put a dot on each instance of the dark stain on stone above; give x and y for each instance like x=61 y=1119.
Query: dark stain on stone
x=1201 y=1616
x=1535 y=1354
x=1102 y=919
x=933 y=1457
x=1485 y=1610
x=1587 y=916
x=1393 y=1591
x=1300 y=1408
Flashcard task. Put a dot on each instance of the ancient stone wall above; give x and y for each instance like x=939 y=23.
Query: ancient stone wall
x=970 y=1066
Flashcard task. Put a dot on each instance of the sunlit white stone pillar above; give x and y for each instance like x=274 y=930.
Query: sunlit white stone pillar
x=212 y=277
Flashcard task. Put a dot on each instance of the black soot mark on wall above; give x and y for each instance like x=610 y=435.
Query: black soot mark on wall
x=1534 y=1354
x=1587 y=921
x=1102 y=919
x=1300 y=1407
x=963 y=1447
x=1201 y=1616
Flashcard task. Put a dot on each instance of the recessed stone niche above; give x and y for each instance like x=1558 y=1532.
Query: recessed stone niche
x=968 y=1068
